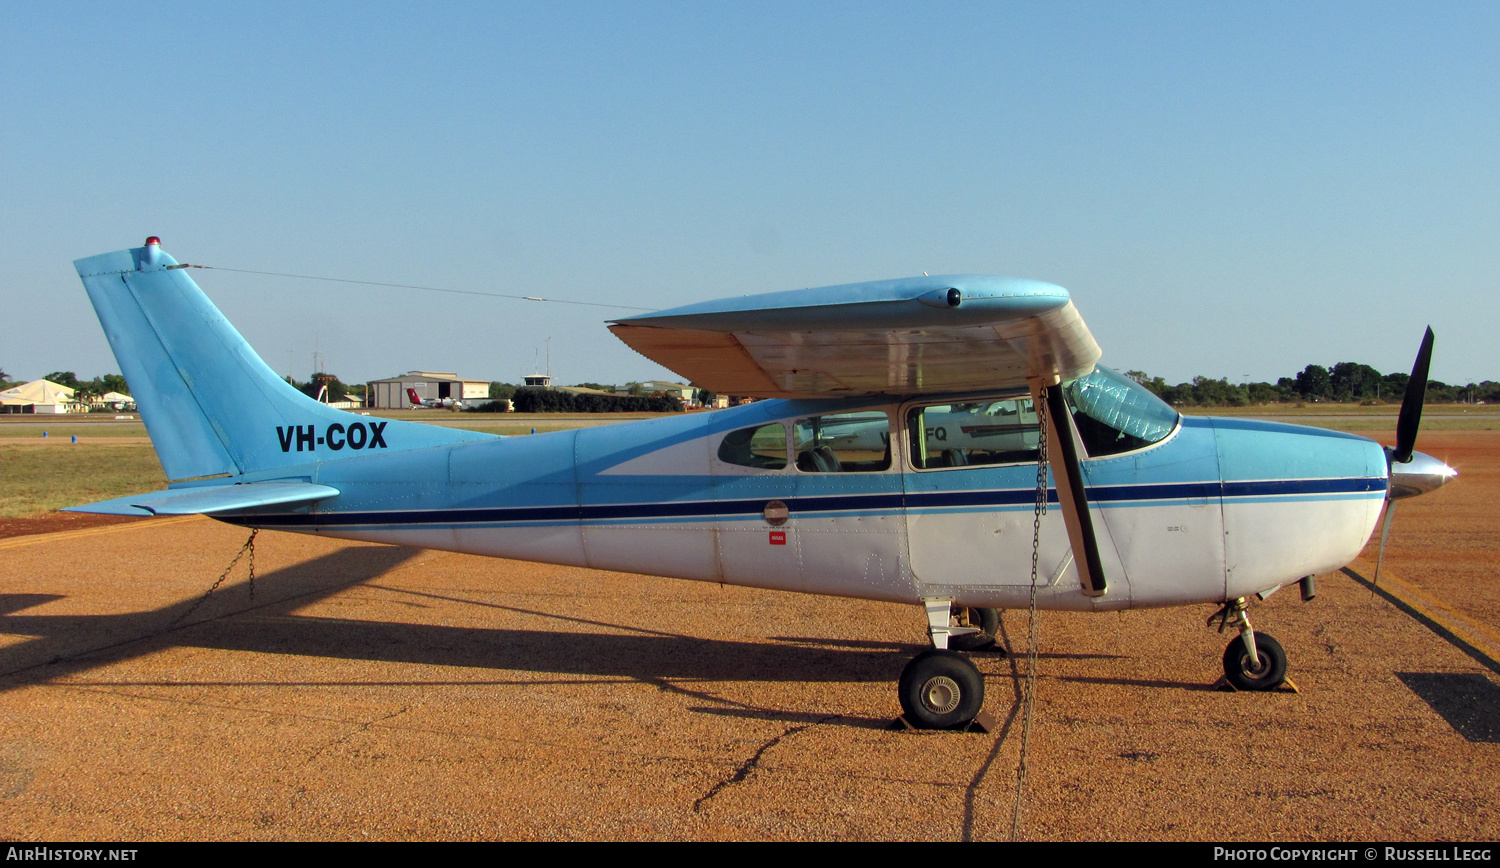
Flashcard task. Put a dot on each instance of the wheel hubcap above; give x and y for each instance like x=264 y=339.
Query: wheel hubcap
x=941 y=694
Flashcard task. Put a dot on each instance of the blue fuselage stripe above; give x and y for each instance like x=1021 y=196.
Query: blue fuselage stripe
x=886 y=503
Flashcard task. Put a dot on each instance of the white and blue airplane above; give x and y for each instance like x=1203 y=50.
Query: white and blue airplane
x=898 y=459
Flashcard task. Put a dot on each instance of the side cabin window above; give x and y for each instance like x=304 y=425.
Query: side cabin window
x=763 y=448
x=973 y=433
x=1115 y=414
x=843 y=443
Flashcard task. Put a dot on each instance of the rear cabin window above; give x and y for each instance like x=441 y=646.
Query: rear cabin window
x=843 y=443
x=973 y=433
x=763 y=447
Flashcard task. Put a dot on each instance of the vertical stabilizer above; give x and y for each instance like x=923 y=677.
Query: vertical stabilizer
x=212 y=406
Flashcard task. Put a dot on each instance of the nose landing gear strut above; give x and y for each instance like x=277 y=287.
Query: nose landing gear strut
x=1252 y=661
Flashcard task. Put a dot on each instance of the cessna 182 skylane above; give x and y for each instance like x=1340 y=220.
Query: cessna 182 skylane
x=898 y=461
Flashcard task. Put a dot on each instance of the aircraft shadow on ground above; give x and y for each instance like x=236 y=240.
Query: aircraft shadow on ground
x=1469 y=701
x=68 y=645
x=630 y=655
x=18 y=602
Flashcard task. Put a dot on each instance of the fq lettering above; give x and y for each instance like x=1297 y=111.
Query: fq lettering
x=336 y=436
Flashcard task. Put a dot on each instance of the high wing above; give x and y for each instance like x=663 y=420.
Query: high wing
x=912 y=336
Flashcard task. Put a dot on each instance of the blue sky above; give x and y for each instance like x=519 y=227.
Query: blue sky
x=1228 y=189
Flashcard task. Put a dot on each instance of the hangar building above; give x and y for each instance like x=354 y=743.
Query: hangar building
x=390 y=394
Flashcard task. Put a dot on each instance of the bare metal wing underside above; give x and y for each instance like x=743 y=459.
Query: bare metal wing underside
x=951 y=333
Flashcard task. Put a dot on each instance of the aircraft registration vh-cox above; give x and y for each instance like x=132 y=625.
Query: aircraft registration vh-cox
x=917 y=429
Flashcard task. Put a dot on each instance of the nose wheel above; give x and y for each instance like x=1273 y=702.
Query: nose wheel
x=1266 y=672
x=1252 y=661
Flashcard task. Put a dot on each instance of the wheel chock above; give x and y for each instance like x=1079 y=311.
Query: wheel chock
x=1223 y=686
x=982 y=722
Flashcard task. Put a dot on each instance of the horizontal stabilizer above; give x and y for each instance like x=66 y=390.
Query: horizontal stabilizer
x=212 y=499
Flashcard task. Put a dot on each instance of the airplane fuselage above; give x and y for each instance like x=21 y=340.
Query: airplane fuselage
x=1216 y=509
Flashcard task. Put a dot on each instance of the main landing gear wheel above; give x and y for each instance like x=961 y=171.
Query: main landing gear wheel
x=988 y=622
x=1268 y=676
x=940 y=689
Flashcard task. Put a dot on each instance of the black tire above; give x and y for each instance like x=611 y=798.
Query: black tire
x=988 y=622
x=940 y=689
x=1272 y=671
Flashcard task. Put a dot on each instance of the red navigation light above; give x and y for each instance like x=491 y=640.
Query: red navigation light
x=153 y=240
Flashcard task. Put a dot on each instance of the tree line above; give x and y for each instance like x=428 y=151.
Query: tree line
x=337 y=390
x=529 y=400
x=1345 y=382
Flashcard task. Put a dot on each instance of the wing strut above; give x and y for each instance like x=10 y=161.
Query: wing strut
x=1071 y=494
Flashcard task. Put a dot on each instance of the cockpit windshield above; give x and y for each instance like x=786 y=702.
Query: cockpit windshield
x=1115 y=414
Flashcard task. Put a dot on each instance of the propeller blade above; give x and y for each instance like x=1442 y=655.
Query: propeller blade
x=1385 y=531
x=1411 y=404
x=1071 y=494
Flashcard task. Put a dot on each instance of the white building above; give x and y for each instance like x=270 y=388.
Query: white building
x=114 y=401
x=40 y=396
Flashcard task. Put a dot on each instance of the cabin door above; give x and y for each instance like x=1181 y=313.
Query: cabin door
x=970 y=491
